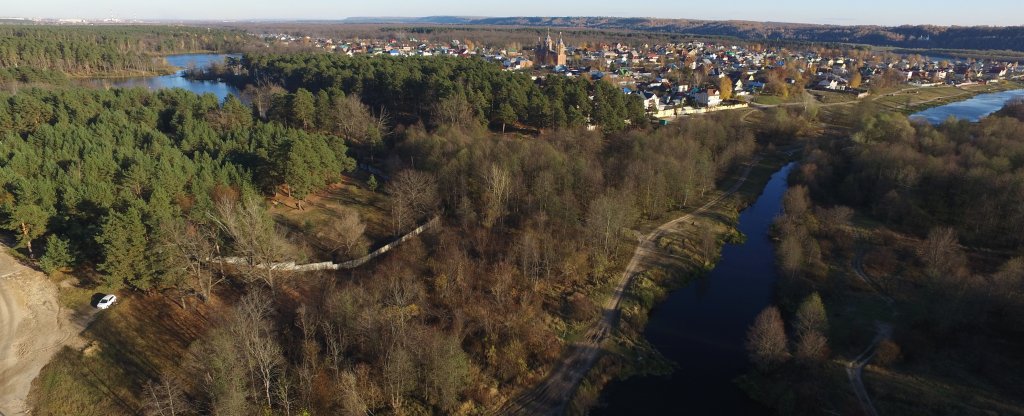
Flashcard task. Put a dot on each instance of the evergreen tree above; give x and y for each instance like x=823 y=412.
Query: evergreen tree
x=58 y=254
x=372 y=183
x=303 y=109
x=124 y=244
x=29 y=222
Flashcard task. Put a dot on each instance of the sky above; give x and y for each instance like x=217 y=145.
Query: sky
x=879 y=12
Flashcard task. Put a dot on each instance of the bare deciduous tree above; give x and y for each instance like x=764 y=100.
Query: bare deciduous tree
x=398 y=374
x=164 y=398
x=351 y=403
x=353 y=121
x=766 y=340
x=254 y=235
x=414 y=194
x=345 y=234
x=498 y=185
x=812 y=347
x=192 y=245
x=454 y=110
x=260 y=96
x=707 y=242
x=607 y=217
x=941 y=253
x=252 y=331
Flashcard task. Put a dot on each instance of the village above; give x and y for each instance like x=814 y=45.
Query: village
x=676 y=79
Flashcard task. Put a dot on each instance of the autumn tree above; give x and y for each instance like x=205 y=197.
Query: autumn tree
x=767 y=344
x=856 y=79
x=725 y=88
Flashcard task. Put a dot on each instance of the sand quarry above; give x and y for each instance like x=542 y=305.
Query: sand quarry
x=33 y=327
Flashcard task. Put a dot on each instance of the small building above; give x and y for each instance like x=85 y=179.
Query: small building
x=708 y=98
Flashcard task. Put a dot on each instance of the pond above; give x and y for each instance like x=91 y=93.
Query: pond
x=175 y=80
x=702 y=327
x=972 y=109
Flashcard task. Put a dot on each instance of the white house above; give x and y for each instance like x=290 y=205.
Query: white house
x=709 y=98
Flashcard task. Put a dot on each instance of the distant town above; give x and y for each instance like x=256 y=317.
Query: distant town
x=685 y=78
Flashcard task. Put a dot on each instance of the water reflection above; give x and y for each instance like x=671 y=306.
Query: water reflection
x=972 y=109
x=702 y=327
x=176 y=80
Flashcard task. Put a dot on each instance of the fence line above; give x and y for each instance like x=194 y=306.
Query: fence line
x=327 y=265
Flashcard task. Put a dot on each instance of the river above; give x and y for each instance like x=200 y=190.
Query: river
x=972 y=109
x=175 y=80
x=702 y=327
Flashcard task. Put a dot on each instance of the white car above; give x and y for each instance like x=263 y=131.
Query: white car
x=106 y=302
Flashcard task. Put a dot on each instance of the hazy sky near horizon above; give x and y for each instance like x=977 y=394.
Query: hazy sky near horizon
x=879 y=12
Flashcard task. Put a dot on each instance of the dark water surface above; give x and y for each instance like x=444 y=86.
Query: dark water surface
x=702 y=327
x=176 y=80
x=972 y=109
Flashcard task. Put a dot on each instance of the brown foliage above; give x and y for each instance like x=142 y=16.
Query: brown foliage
x=767 y=343
x=887 y=353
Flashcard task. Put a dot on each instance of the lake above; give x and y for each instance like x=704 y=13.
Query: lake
x=972 y=109
x=702 y=327
x=175 y=80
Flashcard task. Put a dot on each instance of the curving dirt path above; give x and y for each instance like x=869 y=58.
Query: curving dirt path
x=551 y=396
x=33 y=327
x=856 y=368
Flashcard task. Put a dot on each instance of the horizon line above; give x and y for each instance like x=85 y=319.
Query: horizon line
x=470 y=20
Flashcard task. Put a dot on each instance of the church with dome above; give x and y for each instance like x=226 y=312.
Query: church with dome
x=549 y=53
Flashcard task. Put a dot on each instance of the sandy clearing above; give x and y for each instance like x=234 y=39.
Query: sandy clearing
x=33 y=327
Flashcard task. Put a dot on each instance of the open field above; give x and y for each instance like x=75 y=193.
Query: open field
x=350 y=195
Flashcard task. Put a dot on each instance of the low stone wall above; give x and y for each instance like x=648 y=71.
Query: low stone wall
x=327 y=265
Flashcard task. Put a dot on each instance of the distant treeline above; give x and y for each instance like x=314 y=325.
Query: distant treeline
x=88 y=50
x=922 y=36
x=449 y=90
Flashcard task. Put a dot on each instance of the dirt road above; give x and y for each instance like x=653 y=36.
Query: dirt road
x=33 y=327
x=856 y=368
x=553 y=394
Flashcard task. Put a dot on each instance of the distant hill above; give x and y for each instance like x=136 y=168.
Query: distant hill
x=917 y=36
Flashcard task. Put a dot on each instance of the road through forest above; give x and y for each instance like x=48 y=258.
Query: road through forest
x=552 y=395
